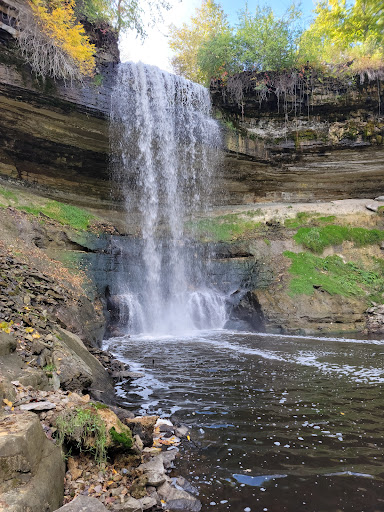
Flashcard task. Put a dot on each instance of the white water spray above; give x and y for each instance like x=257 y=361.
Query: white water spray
x=164 y=150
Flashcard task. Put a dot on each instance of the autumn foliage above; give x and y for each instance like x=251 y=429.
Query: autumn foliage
x=53 y=42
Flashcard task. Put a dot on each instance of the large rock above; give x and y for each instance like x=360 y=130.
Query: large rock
x=100 y=383
x=31 y=467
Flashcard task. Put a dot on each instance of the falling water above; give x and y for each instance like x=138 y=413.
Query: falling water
x=164 y=149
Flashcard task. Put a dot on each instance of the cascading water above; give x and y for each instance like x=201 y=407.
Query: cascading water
x=164 y=151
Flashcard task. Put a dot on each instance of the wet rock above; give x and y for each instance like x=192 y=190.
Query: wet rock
x=186 y=486
x=83 y=504
x=181 y=431
x=178 y=500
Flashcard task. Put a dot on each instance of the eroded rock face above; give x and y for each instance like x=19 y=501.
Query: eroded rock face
x=55 y=135
x=328 y=146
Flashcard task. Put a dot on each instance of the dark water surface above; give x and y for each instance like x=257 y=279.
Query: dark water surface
x=277 y=423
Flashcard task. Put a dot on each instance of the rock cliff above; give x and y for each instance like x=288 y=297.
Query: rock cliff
x=300 y=138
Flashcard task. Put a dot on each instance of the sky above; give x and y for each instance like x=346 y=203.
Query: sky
x=155 y=48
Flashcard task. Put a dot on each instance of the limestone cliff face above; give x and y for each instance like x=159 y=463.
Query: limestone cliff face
x=54 y=136
x=322 y=141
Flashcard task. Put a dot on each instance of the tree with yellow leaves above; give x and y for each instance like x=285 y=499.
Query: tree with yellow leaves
x=209 y=19
x=53 y=42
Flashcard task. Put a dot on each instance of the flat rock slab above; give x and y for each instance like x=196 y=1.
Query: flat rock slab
x=38 y=406
x=83 y=504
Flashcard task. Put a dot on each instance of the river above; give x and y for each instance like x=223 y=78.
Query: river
x=278 y=423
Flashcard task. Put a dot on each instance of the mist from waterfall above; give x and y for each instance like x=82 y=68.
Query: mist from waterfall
x=165 y=148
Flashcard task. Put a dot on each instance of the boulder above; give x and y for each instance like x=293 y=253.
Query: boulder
x=94 y=423
x=83 y=504
x=73 y=372
x=32 y=467
x=101 y=383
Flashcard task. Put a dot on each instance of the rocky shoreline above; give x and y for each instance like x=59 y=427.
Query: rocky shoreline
x=49 y=382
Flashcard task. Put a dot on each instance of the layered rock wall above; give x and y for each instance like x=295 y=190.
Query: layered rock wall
x=322 y=140
x=55 y=135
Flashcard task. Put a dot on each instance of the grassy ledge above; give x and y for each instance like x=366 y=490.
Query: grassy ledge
x=65 y=214
x=316 y=239
x=334 y=276
x=225 y=228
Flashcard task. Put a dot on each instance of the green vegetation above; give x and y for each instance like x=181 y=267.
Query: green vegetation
x=86 y=429
x=64 y=213
x=122 y=438
x=343 y=40
x=305 y=218
x=318 y=238
x=334 y=276
x=226 y=227
x=8 y=194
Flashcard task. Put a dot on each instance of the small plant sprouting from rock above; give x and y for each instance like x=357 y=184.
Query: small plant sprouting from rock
x=86 y=429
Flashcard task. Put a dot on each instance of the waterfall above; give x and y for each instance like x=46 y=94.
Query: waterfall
x=165 y=147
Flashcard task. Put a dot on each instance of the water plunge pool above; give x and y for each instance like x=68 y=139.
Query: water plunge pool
x=278 y=423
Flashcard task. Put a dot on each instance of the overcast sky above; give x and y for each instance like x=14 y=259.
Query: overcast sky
x=155 y=49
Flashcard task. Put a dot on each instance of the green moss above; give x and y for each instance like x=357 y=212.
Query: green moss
x=124 y=438
x=64 y=213
x=99 y=405
x=8 y=194
x=305 y=218
x=224 y=228
x=306 y=135
x=317 y=238
x=98 y=80
x=334 y=276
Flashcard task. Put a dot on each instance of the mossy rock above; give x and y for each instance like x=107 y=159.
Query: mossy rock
x=94 y=429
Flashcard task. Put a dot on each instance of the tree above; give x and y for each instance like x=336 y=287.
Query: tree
x=208 y=20
x=346 y=35
x=268 y=42
x=53 y=42
x=260 y=41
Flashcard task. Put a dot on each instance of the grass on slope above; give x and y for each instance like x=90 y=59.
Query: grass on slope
x=64 y=213
x=317 y=239
x=305 y=218
x=334 y=276
x=224 y=227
